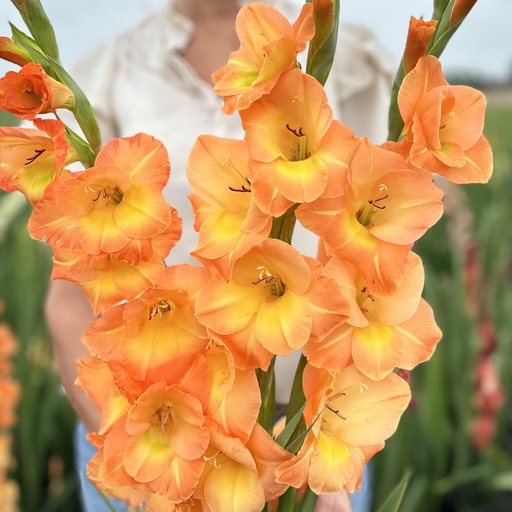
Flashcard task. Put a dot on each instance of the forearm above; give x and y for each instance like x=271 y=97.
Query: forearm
x=69 y=315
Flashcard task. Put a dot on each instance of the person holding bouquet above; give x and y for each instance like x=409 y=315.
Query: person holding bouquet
x=156 y=78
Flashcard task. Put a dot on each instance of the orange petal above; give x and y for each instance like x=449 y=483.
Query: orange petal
x=142 y=156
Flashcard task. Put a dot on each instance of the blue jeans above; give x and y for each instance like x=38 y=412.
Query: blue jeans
x=90 y=497
x=361 y=501
x=92 y=501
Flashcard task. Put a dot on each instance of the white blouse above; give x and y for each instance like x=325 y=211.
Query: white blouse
x=139 y=82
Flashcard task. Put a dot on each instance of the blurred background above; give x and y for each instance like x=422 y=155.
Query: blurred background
x=455 y=439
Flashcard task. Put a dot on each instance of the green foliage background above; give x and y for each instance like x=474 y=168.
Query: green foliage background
x=43 y=436
x=434 y=439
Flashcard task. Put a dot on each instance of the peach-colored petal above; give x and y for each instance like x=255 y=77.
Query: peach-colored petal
x=235 y=398
x=420 y=336
x=425 y=76
x=142 y=156
x=284 y=324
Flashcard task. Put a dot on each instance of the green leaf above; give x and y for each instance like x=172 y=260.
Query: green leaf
x=287 y=500
x=323 y=45
x=394 y=500
x=84 y=150
x=83 y=110
x=283 y=438
x=295 y=445
x=308 y=502
x=39 y=25
x=266 y=382
x=297 y=398
x=35 y=53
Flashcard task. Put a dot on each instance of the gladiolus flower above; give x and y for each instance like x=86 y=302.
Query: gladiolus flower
x=106 y=208
x=8 y=347
x=160 y=442
x=32 y=159
x=235 y=397
x=95 y=377
x=460 y=10
x=10 y=492
x=351 y=416
x=13 y=52
x=151 y=334
x=269 y=47
x=298 y=152
x=384 y=209
x=383 y=332
x=268 y=307
x=10 y=393
x=240 y=478
x=30 y=92
x=443 y=125
x=226 y=216
x=106 y=280
x=418 y=38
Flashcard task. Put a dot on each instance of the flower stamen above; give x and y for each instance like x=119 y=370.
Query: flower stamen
x=274 y=282
x=297 y=133
x=165 y=417
x=159 y=308
x=336 y=411
x=113 y=194
x=38 y=153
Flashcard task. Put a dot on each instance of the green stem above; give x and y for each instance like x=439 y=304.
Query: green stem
x=287 y=500
x=308 y=502
x=266 y=382
x=282 y=227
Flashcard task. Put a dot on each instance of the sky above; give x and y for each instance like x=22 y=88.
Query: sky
x=482 y=46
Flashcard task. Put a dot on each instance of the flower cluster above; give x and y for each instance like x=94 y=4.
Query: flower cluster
x=181 y=356
x=10 y=393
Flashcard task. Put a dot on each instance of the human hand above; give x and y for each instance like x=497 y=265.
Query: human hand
x=333 y=502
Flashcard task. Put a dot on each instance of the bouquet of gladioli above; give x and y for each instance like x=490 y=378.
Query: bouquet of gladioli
x=183 y=357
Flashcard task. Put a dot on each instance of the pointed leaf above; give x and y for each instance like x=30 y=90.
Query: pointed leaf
x=39 y=25
x=394 y=500
x=283 y=438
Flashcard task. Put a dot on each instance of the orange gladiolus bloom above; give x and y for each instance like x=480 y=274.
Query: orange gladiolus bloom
x=298 y=152
x=383 y=332
x=155 y=332
x=443 y=125
x=226 y=216
x=10 y=393
x=269 y=47
x=106 y=280
x=418 y=38
x=460 y=10
x=10 y=492
x=106 y=208
x=8 y=347
x=351 y=417
x=31 y=91
x=268 y=307
x=95 y=377
x=160 y=442
x=32 y=159
x=13 y=52
x=6 y=458
x=240 y=478
x=384 y=209
x=235 y=397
